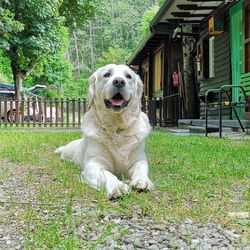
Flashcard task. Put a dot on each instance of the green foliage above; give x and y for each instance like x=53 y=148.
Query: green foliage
x=5 y=70
x=34 y=38
x=76 y=12
x=7 y=25
x=147 y=18
x=38 y=37
x=112 y=55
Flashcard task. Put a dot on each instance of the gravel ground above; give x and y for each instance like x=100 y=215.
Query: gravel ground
x=109 y=231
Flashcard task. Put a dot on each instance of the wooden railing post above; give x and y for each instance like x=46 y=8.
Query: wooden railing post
x=56 y=105
x=79 y=112
x=45 y=112
x=67 y=112
x=28 y=111
x=50 y=112
x=62 y=102
x=22 y=112
x=73 y=112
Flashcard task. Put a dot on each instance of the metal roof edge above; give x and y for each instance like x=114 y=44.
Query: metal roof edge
x=140 y=47
x=161 y=13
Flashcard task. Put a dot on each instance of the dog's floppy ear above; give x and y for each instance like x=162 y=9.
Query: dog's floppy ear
x=139 y=84
x=92 y=81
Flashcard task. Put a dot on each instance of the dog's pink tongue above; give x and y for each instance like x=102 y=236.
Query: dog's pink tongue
x=116 y=102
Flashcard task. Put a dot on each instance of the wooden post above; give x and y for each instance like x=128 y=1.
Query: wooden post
x=45 y=112
x=56 y=104
x=73 y=112
x=50 y=112
x=17 y=112
x=62 y=112
x=5 y=112
x=28 y=111
x=79 y=112
x=67 y=112
x=189 y=83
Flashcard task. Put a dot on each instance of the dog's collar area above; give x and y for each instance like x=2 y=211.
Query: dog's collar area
x=116 y=102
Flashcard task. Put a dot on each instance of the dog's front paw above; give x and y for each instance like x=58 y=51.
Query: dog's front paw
x=116 y=190
x=142 y=184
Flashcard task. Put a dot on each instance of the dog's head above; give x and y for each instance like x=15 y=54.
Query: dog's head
x=115 y=87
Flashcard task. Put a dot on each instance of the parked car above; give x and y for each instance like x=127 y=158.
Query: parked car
x=7 y=95
x=7 y=92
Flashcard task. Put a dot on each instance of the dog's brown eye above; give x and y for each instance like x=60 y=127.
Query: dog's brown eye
x=128 y=76
x=107 y=74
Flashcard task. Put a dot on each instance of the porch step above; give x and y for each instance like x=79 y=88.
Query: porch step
x=210 y=129
x=213 y=123
x=200 y=129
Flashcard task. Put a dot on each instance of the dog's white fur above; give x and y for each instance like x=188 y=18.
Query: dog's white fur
x=114 y=141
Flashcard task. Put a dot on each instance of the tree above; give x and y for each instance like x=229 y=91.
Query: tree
x=147 y=18
x=116 y=25
x=112 y=55
x=35 y=37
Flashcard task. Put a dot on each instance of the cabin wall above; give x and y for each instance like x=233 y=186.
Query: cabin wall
x=222 y=65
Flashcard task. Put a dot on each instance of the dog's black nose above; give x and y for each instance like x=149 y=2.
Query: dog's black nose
x=118 y=82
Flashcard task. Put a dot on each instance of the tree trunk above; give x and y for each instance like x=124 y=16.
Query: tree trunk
x=18 y=74
x=18 y=78
x=77 y=54
x=91 y=46
x=189 y=83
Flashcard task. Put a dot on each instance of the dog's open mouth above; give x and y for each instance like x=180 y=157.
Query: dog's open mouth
x=116 y=102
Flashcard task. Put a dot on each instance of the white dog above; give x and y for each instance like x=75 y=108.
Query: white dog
x=115 y=130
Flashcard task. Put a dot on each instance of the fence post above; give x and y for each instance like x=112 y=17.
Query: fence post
x=17 y=112
x=22 y=112
x=56 y=102
x=45 y=112
x=39 y=112
x=73 y=112
x=50 y=112
x=67 y=112
x=79 y=112
x=62 y=112
x=84 y=105
x=28 y=111
x=11 y=112
x=34 y=111
x=5 y=112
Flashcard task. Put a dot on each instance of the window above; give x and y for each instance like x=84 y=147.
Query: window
x=158 y=71
x=246 y=18
x=211 y=56
x=208 y=57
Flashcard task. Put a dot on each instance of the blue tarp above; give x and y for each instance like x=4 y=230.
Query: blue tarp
x=7 y=86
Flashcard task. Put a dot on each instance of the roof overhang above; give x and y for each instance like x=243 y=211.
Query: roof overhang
x=153 y=40
x=185 y=11
x=172 y=14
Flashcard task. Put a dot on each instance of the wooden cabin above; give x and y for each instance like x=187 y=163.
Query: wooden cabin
x=218 y=36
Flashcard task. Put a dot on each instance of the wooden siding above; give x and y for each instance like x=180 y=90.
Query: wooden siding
x=222 y=66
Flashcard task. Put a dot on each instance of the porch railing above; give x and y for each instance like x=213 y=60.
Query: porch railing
x=164 y=111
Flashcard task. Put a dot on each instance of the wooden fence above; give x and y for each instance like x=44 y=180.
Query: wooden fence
x=68 y=113
x=164 y=111
x=37 y=112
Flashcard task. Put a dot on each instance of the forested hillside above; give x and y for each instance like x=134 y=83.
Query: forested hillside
x=82 y=36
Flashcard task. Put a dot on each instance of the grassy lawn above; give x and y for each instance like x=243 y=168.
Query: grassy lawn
x=196 y=177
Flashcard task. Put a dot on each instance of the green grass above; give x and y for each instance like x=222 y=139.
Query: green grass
x=197 y=177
